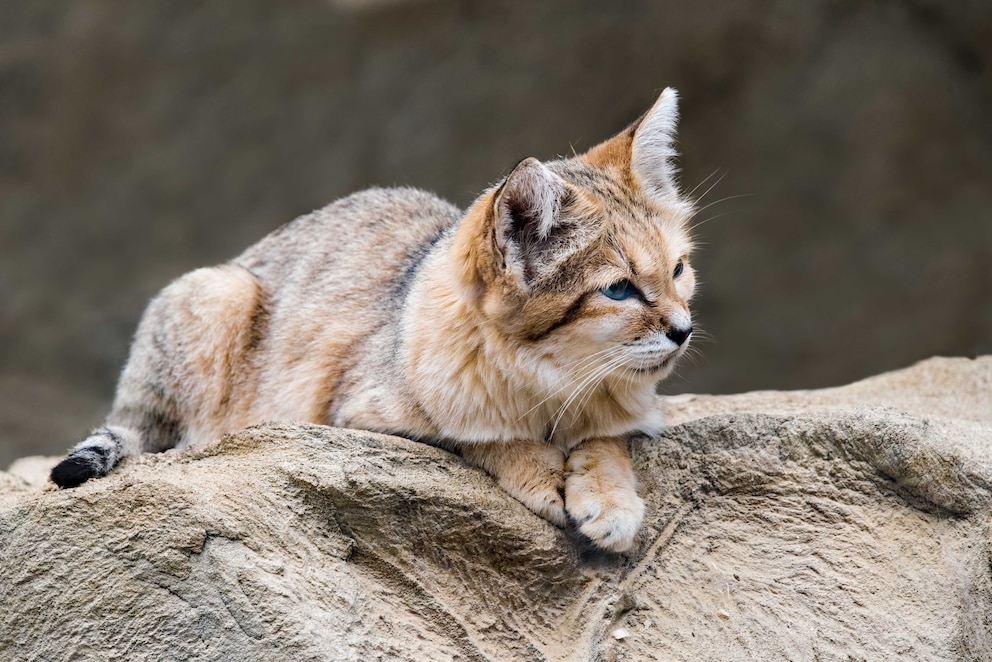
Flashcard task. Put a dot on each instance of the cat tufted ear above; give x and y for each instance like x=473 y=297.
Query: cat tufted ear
x=527 y=209
x=653 y=146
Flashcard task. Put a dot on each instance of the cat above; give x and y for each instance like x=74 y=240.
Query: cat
x=527 y=333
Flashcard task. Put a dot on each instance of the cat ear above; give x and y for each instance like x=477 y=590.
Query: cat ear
x=653 y=147
x=527 y=209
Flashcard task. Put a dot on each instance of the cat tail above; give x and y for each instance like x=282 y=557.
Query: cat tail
x=193 y=343
x=97 y=454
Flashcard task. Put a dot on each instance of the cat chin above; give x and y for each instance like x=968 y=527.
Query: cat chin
x=658 y=369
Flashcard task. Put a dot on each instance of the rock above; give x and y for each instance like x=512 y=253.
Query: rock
x=848 y=523
x=33 y=470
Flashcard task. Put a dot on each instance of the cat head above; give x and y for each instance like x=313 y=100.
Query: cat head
x=589 y=256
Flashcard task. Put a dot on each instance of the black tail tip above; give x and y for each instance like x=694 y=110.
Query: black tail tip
x=72 y=472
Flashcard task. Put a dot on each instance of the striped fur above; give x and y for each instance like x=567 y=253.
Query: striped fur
x=489 y=332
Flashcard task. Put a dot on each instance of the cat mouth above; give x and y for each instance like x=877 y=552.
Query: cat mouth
x=645 y=368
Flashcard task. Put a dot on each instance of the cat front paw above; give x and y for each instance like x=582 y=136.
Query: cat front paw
x=542 y=498
x=530 y=472
x=610 y=520
x=601 y=498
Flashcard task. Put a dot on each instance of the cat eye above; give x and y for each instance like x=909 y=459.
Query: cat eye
x=620 y=290
x=678 y=269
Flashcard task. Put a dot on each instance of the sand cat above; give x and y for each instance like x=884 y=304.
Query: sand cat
x=526 y=333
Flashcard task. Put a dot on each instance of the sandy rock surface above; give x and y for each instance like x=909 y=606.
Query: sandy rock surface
x=848 y=523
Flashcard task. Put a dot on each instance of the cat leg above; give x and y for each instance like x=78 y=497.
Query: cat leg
x=184 y=371
x=530 y=472
x=601 y=492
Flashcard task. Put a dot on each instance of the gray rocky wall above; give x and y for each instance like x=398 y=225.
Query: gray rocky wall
x=139 y=140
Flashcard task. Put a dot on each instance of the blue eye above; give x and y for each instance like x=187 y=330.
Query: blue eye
x=678 y=270
x=620 y=290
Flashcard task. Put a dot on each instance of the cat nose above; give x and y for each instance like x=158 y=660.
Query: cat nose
x=678 y=336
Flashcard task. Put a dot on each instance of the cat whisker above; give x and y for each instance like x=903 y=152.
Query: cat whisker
x=716 y=202
x=578 y=365
x=691 y=357
x=589 y=392
x=720 y=179
x=560 y=412
x=699 y=335
x=596 y=375
x=609 y=359
x=692 y=350
x=704 y=222
x=705 y=179
x=586 y=358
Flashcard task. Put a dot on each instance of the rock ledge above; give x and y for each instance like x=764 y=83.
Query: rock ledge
x=848 y=523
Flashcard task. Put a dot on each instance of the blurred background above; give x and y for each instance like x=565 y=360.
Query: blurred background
x=140 y=140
